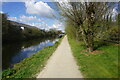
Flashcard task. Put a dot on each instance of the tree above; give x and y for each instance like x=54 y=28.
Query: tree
x=85 y=15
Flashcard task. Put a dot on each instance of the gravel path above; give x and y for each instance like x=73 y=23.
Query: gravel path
x=61 y=64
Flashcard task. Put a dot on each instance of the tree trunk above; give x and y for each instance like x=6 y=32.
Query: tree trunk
x=88 y=39
x=90 y=36
x=90 y=42
x=91 y=21
x=84 y=36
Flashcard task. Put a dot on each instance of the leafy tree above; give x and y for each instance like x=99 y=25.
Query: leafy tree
x=12 y=31
x=86 y=15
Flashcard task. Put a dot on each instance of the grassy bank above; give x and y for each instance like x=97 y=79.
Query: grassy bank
x=29 y=67
x=102 y=63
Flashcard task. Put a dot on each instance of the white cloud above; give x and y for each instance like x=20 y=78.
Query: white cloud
x=29 y=19
x=12 y=18
x=1 y=12
x=12 y=0
x=55 y=26
x=39 y=8
x=34 y=21
x=25 y=19
x=43 y=25
x=114 y=13
x=40 y=25
x=58 y=26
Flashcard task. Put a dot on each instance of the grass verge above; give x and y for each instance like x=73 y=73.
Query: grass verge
x=29 y=67
x=103 y=63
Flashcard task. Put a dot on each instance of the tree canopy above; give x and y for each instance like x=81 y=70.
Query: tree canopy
x=91 y=19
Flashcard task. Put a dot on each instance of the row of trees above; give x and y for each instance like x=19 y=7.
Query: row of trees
x=11 y=33
x=89 y=20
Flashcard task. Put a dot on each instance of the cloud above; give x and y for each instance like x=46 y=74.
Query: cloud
x=40 y=25
x=1 y=12
x=12 y=0
x=39 y=8
x=58 y=26
x=37 y=22
x=43 y=25
x=25 y=19
x=13 y=18
x=114 y=13
x=29 y=19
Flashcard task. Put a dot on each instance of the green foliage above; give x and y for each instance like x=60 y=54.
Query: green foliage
x=103 y=64
x=112 y=35
x=114 y=31
x=93 y=22
x=72 y=30
x=11 y=33
x=29 y=67
x=8 y=72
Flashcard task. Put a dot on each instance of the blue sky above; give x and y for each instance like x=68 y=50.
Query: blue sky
x=39 y=14
x=36 y=13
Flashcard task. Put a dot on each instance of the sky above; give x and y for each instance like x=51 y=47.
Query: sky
x=33 y=12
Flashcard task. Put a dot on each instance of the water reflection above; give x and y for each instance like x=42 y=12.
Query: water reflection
x=14 y=53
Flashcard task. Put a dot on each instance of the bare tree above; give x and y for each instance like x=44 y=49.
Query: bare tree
x=88 y=13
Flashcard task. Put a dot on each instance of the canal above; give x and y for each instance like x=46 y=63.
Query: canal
x=13 y=53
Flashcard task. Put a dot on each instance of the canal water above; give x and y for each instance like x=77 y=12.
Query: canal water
x=14 y=53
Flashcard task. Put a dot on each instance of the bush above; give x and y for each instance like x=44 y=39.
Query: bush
x=113 y=35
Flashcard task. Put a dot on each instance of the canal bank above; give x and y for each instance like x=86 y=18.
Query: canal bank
x=31 y=65
x=13 y=53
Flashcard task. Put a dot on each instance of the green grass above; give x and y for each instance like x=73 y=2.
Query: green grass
x=29 y=67
x=103 y=64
